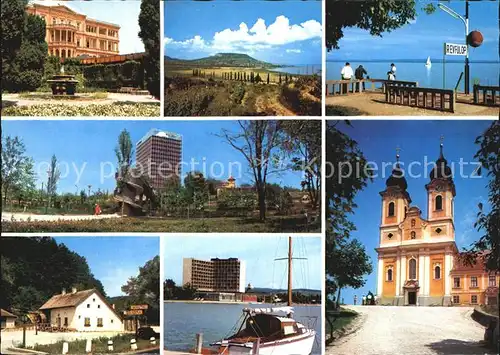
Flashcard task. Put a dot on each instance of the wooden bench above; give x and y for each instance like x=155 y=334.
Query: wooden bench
x=426 y=98
x=345 y=87
x=482 y=95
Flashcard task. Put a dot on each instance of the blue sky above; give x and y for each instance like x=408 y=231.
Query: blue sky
x=425 y=36
x=122 y=13
x=258 y=253
x=85 y=148
x=286 y=32
x=113 y=260
x=378 y=141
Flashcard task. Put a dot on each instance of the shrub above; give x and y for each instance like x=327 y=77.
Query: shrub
x=149 y=23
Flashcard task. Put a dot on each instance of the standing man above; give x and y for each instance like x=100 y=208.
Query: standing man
x=393 y=70
x=346 y=74
x=359 y=75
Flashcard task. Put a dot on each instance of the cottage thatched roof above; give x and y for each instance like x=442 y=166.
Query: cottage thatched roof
x=4 y=313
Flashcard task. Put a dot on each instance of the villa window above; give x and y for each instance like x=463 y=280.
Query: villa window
x=439 y=203
x=456 y=299
x=473 y=282
x=389 y=275
x=391 y=209
x=87 y=322
x=93 y=299
x=88 y=305
x=456 y=282
x=99 y=322
x=473 y=299
x=437 y=272
x=65 y=321
x=413 y=235
x=492 y=280
x=412 y=272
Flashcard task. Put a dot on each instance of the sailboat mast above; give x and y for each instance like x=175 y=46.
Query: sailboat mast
x=289 y=271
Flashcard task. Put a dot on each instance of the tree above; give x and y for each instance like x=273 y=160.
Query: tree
x=53 y=177
x=124 y=152
x=377 y=16
x=257 y=140
x=268 y=78
x=25 y=72
x=195 y=186
x=145 y=287
x=488 y=222
x=17 y=168
x=149 y=23
x=12 y=29
x=342 y=154
x=257 y=78
x=303 y=145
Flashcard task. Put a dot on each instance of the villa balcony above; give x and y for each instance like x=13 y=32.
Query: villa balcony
x=62 y=44
x=62 y=26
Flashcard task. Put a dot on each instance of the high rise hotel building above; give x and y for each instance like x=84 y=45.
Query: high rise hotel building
x=159 y=156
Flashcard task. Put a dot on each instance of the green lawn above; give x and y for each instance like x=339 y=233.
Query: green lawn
x=164 y=225
x=121 y=344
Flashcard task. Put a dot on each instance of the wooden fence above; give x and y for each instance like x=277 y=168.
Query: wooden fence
x=482 y=95
x=345 y=87
x=427 y=98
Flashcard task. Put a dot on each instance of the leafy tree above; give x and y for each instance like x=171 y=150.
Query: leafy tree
x=12 y=28
x=303 y=145
x=124 y=152
x=149 y=23
x=195 y=186
x=257 y=140
x=52 y=179
x=488 y=222
x=258 y=79
x=377 y=16
x=145 y=287
x=25 y=72
x=342 y=154
x=17 y=168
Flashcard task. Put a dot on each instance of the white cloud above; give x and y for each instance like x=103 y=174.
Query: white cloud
x=258 y=37
x=294 y=51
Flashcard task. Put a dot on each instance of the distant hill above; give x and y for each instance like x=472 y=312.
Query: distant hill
x=304 y=291
x=222 y=60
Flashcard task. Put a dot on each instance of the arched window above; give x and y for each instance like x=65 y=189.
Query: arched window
x=413 y=235
x=439 y=202
x=413 y=222
x=437 y=272
x=391 y=209
x=412 y=269
x=389 y=274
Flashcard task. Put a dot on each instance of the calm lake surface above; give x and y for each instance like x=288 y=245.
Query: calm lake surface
x=215 y=321
x=486 y=73
x=300 y=69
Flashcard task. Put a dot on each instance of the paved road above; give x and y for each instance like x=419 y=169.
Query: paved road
x=412 y=330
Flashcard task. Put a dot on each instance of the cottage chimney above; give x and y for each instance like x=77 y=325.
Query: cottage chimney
x=63 y=292
x=73 y=290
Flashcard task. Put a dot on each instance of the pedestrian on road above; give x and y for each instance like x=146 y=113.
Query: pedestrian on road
x=364 y=300
x=97 y=210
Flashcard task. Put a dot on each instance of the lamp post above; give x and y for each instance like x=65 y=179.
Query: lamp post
x=465 y=21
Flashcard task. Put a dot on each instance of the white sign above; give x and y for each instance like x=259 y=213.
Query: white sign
x=455 y=49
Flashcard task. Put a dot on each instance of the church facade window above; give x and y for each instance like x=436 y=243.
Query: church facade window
x=389 y=274
x=437 y=272
x=439 y=203
x=391 y=209
x=412 y=269
x=413 y=235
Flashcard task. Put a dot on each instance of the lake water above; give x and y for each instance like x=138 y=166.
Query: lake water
x=487 y=73
x=215 y=321
x=300 y=69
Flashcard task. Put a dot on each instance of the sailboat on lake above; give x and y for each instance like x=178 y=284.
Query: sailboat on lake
x=428 y=64
x=270 y=331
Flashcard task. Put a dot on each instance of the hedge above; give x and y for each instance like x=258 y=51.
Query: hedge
x=114 y=76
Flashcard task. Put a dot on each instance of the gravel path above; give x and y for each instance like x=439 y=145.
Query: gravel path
x=21 y=217
x=413 y=330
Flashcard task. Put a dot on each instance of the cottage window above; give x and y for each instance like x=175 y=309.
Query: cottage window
x=98 y=306
x=111 y=321
x=93 y=299
x=389 y=275
x=473 y=281
x=439 y=203
x=456 y=299
x=99 y=322
x=456 y=282
x=473 y=299
x=88 y=305
x=437 y=272
x=492 y=280
x=412 y=272
x=65 y=321
x=391 y=209
x=87 y=322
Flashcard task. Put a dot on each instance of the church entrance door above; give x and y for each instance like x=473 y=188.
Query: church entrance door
x=412 y=298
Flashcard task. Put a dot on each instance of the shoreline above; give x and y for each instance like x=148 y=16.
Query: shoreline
x=236 y=303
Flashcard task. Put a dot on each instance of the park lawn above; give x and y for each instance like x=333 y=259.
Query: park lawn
x=121 y=344
x=168 y=225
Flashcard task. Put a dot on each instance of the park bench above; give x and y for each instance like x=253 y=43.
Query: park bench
x=482 y=95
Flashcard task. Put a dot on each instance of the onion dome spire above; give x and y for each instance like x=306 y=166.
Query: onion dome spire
x=397 y=178
x=441 y=170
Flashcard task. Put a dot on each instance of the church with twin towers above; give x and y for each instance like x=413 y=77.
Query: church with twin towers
x=418 y=260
